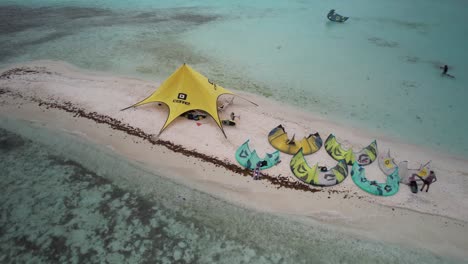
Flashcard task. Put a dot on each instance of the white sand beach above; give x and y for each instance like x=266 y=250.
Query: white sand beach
x=436 y=220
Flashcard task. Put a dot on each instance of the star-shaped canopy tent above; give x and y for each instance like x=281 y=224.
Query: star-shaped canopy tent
x=185 y=90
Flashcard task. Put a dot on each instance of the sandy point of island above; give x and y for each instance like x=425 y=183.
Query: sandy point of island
x=87 y=104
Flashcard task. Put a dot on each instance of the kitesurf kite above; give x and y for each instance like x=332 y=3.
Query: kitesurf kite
x=387 y=163
x=249 y=159
x=390 y=187
x=366 y=156
x=332 y=16
x=279 y=139
x=316 y=176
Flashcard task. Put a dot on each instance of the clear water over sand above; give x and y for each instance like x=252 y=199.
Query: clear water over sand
x=64 y=200
x=378 y=70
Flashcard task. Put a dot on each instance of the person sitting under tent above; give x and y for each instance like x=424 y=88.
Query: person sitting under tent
x=194 y=115
x=429 y=180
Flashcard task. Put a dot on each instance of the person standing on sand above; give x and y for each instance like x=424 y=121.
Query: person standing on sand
x=257 y=174
x=233 y=116
x=429 y=180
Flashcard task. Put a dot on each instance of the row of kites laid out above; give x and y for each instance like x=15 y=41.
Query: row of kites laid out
x=322 y=176
x=187 y=90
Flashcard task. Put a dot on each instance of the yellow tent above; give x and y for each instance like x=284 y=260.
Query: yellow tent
x=185 y=90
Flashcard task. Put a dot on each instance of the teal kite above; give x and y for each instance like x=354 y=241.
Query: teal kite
x=390 y=187
x=249 y=159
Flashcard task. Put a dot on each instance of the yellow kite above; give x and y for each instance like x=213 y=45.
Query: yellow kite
x=185 y=90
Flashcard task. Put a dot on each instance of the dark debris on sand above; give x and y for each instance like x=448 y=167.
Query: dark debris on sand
x=22 y=71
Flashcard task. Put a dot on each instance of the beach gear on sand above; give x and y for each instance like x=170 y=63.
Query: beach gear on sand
x=227 y=122
x=193 y=115
x=408 y=175
x=332 y=16
x=249 y=159
x=279 y=139
x=390 y=187
x=413 y=186
x=315 y=175
x=365 y=156
x=185 y=90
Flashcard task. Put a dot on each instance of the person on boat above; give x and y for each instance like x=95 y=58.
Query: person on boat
x=429 y=180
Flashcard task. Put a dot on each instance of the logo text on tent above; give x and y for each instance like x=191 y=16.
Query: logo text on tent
x=181 y=97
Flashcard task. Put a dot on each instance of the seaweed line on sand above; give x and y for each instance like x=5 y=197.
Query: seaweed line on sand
x=278 y=181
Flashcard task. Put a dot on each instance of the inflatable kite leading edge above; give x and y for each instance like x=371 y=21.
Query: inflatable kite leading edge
x=366 y=156
x=278 y=138
x=314 y=175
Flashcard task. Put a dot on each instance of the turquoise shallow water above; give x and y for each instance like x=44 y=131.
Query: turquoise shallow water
x=66 y=201
x=379 y=70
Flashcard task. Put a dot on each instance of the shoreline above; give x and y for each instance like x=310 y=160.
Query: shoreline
x=359 y=211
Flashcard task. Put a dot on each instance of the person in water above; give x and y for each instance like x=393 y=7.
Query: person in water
x=429 y=180
x=444 y=71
